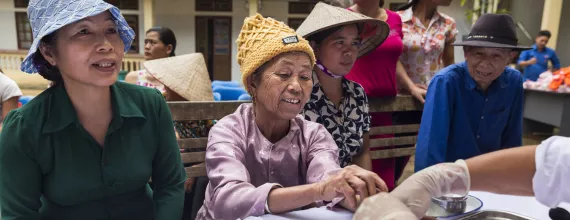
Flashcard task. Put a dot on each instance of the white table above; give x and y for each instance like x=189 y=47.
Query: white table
x=526 y=206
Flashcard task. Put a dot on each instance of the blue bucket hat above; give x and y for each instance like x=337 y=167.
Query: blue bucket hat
x=47 y=16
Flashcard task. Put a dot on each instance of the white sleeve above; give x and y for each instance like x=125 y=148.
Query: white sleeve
x=552 y=178
x=8 y=89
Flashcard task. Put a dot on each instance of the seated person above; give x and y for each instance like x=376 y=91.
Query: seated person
x=535 y=60
x=474 y=107
x=186 y=78
x=337 y=103
x=10 y=94
x=265 y=158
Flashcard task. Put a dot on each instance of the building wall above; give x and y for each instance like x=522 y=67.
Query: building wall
x=562 y=46
x=180 y=16
x=8 y=25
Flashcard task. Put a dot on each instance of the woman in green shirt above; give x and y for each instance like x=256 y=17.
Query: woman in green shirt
x=86 y=147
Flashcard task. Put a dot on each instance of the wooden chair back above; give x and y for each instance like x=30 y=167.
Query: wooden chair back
x=182 y=111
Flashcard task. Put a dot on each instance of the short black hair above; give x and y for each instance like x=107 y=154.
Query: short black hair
x=410 y=4
x=544 y=33
x=320 y=36
x=45 y=69
x=166 y=35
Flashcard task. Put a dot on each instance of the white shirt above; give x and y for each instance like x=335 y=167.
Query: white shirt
x=551 y=182
x=8 y=89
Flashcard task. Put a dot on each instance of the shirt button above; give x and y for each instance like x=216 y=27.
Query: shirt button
x=272 y=172
x=482 y=117
x=487 y=99
x=478 y=136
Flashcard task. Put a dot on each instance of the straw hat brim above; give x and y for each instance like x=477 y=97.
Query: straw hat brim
x=325 y=16
x=186 y=75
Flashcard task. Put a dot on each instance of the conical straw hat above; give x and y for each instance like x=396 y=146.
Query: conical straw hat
x=186 y=75
x=325 y=16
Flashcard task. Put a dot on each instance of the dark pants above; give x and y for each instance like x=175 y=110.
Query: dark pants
x=194 y=200
x=404 y=118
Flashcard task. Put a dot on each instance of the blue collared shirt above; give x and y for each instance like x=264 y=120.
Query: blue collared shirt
x=532 y=72
x=460 y=121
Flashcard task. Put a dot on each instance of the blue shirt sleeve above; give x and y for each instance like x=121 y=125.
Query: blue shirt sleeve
x=512 y=135
x=554 y=59
x=524 y=56
x=431 y=147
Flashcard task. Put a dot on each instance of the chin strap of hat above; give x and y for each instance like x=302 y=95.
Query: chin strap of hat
x=326 y=71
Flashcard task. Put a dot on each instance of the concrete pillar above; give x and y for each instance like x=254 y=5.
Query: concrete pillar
x=148 y=7
x=252 y=7
x=551 y=16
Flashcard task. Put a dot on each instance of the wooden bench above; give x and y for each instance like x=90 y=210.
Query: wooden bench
x=217 y=110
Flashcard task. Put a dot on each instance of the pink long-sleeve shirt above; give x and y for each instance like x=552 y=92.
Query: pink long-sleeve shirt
x=243 y=166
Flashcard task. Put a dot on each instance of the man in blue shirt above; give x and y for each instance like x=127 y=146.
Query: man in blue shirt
x=535 y=60
x=474 y=107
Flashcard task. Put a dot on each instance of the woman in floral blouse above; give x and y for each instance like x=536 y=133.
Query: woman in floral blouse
x=428 y=35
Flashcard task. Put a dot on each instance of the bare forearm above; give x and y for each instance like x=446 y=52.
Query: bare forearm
x=524 y=63
x=448 y=55
x=282 y=200
x=507 y=171
x=363 y=159
x=402 y=78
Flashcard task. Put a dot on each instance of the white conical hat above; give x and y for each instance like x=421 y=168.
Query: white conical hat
x=186 y=75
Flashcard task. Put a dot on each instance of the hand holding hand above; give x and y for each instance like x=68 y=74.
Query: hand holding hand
x=350 y=182
x=385 y=207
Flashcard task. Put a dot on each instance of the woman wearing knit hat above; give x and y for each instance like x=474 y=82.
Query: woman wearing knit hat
x=338 y=37
x=86 y=147
x=265 y=158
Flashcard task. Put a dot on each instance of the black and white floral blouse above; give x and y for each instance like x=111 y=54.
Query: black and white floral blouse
x=346 y=124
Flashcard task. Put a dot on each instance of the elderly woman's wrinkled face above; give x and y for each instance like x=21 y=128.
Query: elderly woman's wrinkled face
x=88 y=52
x=339 y=51
x=284 y=85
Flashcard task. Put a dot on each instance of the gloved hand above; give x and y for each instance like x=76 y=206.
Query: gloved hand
x=435 y=181
x=383 y=206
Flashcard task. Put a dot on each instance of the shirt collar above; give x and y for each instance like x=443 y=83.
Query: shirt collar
x=408 y=15
x=470 y=82
x=348 y=90
x=62 y=113
x=534 y=47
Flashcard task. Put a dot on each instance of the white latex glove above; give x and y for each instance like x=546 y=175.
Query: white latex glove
x=435 y=181
x=383 y=206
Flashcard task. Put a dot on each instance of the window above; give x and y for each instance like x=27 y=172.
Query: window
x=133 y=21
x=21 y=3
x=295 y=22
x=302 y=6
x=214 y=5
x=23 y=31
x=125 y=4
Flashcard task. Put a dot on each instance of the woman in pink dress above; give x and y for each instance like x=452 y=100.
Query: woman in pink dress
x=380 y=72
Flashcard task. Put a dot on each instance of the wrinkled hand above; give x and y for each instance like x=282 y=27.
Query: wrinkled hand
x=383 y=206
x=188 y=184
x=435 y=181
x=419 y=93
x=350 y=182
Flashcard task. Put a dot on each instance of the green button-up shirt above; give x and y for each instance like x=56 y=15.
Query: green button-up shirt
x=51 y=168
